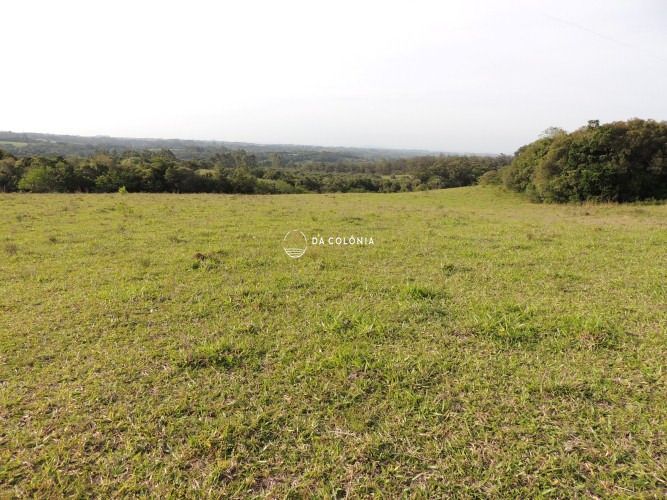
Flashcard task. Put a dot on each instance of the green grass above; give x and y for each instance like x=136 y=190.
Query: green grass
x=165 y=345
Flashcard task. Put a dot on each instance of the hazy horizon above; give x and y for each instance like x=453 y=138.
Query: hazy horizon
x=263 y=144
x=476 y=77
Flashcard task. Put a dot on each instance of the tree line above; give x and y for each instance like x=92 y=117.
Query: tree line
x=619 y=161
x=235 y=171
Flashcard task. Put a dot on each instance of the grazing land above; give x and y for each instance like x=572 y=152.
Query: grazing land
x=157 y=344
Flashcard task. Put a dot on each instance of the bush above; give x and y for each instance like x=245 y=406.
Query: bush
x=492 y=177
x=40 y=179
x=620 y=161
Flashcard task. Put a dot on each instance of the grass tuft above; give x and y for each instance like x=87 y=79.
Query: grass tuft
x=11 y=249
x=422 y=293
x=510 y=324
x=224 y=355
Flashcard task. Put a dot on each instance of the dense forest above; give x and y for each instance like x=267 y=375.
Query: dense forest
x=236 y=171
x=620 y=161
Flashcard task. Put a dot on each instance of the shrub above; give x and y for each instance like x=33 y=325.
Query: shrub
x=492 y=177
x=620 y=161
x=40 y=179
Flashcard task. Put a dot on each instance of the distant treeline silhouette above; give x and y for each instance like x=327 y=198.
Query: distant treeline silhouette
x=235 y=172
x=619 y=161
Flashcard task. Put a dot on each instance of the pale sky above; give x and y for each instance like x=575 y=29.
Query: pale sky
x=465 y=76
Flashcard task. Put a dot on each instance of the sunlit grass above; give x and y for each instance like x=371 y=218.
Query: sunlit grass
x=483 y=345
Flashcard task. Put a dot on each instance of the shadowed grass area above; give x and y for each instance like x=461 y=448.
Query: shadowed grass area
x=166 y=345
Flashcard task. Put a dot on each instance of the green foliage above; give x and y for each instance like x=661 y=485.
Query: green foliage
x=40 y=178
x=619 y=161
x=10 y=172
x=519 y=175
x=490 y=178
x=237 y=172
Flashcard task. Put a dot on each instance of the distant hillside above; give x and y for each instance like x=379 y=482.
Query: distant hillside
x=35 y=144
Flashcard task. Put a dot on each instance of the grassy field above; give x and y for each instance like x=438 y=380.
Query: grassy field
x=166 y=345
